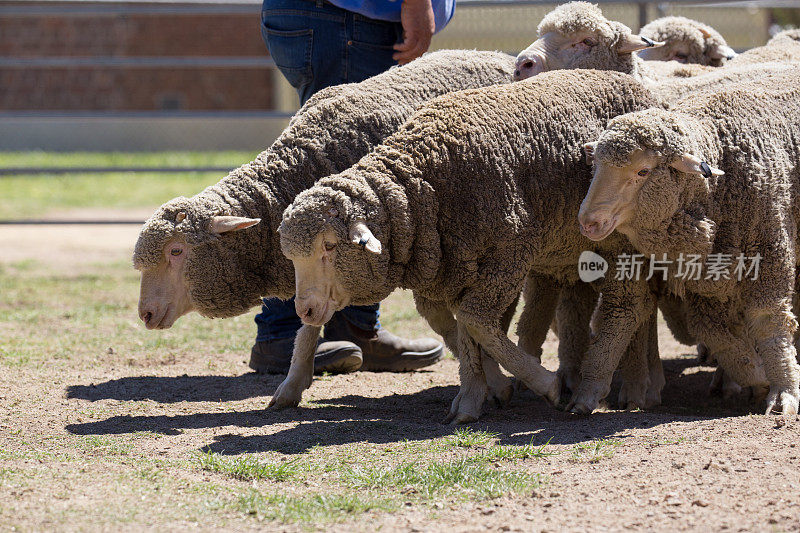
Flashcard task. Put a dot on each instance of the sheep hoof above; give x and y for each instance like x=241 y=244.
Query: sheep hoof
x=580 y=409
x=788 y=402
x=652 y=399
x=502 y=397
x=286 y=395
x=461 y=418
x=632 y=406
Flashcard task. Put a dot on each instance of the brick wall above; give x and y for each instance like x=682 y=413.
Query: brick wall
x=133 y=88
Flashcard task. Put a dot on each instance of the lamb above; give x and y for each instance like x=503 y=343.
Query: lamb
x=685 y=41
x=468 y=197
x=657 y=167
x=195 y=254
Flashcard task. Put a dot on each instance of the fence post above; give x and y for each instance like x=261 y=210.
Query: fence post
x=642 y=14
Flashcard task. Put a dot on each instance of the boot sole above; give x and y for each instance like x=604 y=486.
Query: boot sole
x=405 y=362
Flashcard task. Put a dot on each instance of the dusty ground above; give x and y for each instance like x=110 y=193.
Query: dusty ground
x=104 y=425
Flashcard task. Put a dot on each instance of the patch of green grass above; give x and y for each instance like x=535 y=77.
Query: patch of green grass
x=106 y=445
x=594 y=451
x=470 y=438
x=524 y=451
x=472 y=478
x=310 y=508
x=25 y=196
x=247 y=467
x=74 y=317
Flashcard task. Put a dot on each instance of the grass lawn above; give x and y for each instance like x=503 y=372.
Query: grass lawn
x=32 y=196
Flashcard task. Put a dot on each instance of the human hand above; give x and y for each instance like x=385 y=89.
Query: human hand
x=416 y=16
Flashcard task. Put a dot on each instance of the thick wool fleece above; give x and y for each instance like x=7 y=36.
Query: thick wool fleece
x=685 y=31
x=476 y=190
x=227 y=274
x=751 y=132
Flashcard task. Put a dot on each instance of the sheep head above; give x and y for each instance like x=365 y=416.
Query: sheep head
x=337 y=258
x=175 y=253
x=645 y=168
x=686 y=41
x=577 y=35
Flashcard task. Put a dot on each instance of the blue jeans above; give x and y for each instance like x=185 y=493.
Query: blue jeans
x=316 y=45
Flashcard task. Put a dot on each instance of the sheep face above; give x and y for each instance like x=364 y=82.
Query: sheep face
x=337 y=259
x=164 y=294
x=324 y=269
x=175 y=251
x=612 y=199
x=686 y=41
x=577 y=35
x=640 y=189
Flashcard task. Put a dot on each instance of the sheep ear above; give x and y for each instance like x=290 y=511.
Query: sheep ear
x=691 y=164
x=721 y=52
x=631 y=42
x=361 y=235
x=588 y=149
x=223 y=224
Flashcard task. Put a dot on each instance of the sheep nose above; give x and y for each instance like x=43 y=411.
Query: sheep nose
x=590 y=223
x=590 y=228
x=527 y=66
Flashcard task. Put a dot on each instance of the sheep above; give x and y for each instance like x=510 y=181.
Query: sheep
x=655 y=167
x=685 y=41
x=477 y=190
x=577 y=35
x=193 y=253
x=564 y=34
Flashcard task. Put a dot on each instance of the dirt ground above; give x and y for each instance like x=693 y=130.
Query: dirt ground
x=99 y=440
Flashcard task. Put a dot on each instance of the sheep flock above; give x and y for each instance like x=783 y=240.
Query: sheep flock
x=472 y=178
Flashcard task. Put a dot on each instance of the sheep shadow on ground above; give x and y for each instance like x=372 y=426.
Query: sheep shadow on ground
x=185 y=388
x=393 y=418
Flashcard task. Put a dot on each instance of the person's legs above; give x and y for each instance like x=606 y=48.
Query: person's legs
x=317 y=45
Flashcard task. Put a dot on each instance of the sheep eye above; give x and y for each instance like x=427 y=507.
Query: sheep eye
x=175 y=252
x=644 y=172
x=329 y=246
x=588 y=42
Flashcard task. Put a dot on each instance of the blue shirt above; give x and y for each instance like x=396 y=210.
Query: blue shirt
x=390 y=9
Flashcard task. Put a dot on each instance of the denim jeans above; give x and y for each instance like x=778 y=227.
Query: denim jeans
x=316 y=45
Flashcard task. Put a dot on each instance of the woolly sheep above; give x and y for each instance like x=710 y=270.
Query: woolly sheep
x=685 y=41
x=655 y=167
x=469 y=196
x=577 y=35
x=194 y=254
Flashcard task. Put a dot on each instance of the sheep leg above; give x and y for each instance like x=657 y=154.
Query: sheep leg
x=634 y=370
x=654 y=367
x=573 y=315
x=441 y=320
x=541 y=297
x=301 y=369
x=466 y=406
x=734 y=353
x=773 y=331
x=623 y=308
